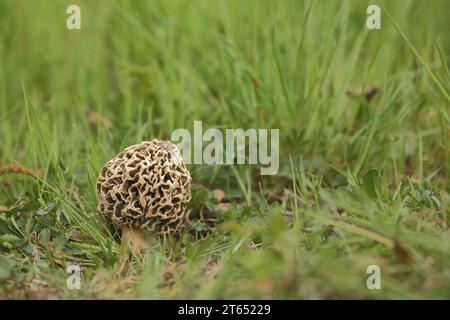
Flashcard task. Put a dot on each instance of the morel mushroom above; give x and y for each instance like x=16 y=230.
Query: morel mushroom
x=145 y=187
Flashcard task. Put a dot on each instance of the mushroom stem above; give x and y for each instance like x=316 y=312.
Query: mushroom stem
x=134 y=239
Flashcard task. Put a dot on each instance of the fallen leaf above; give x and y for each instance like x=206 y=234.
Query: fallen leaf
x=218 y=194
x=224 y=207
x=402 y=253
x=368 y=92
x=97 y=119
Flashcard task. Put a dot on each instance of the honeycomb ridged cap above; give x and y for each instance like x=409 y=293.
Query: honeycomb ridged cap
x=146 y=186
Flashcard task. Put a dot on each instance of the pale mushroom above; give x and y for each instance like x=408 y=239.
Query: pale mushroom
x=146 y=187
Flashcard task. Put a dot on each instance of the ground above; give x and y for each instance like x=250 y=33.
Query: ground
x=364 y=123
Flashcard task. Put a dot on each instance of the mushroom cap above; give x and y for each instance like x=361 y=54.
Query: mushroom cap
x=146 y=186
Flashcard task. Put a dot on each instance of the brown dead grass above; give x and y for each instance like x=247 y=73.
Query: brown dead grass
x=15 y=169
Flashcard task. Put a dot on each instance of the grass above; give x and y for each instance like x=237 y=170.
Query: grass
x=363 y=178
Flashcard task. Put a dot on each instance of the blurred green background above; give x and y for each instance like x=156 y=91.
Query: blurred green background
x=72 y=99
